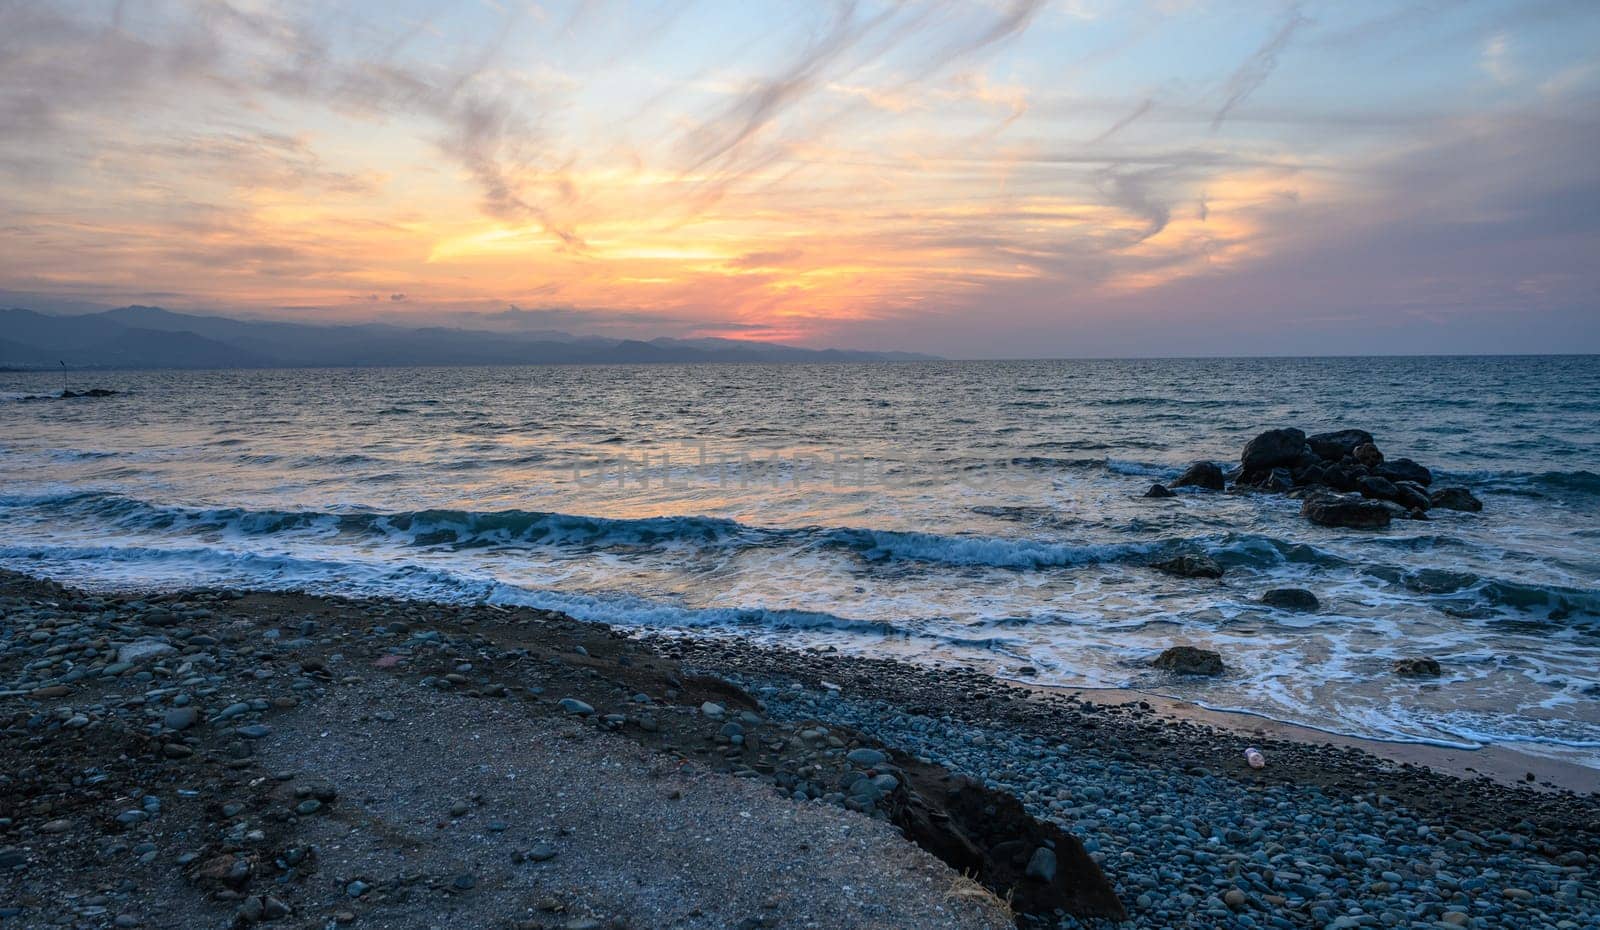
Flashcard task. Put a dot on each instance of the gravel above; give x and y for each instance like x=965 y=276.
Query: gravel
x=1188 y=849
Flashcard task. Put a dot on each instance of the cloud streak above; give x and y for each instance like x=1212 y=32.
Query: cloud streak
x=1259 y=66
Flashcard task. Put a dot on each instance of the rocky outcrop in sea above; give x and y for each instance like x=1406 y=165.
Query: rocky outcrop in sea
x=1343 y=477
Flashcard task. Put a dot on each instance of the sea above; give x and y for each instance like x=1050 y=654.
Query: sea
x=986 y=515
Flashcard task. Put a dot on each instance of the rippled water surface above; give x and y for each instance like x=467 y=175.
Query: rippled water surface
x=981 y=513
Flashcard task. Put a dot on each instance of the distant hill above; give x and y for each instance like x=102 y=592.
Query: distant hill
x=151 y=337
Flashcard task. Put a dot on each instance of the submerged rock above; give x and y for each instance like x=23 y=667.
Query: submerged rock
x=1454 y=498
x=1190 y=565
x=1189 y=660
x=1206 y=475
x=1159 y=490
x=1328 y=510
x=1423 y=667
x=1291 y=599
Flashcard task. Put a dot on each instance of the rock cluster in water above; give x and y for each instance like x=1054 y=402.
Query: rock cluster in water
x=1342 y=476
x=69 y=394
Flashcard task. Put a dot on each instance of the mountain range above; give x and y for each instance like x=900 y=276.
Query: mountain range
x=151 y=337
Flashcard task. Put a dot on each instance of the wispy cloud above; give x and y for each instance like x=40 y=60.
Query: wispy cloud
x=823 y=172
x=1259 y=66
x=1497 y=58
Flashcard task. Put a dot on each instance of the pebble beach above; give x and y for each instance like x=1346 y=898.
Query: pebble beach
x=208 y=757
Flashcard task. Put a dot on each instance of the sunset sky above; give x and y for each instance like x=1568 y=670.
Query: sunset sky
x=982 y=178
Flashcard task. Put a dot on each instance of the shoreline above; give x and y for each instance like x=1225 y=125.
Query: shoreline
x=349 y=725
x=1505 y=765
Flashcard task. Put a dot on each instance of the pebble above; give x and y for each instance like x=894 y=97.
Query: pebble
x=866 y=757
x=541 y=852
x=180 y=718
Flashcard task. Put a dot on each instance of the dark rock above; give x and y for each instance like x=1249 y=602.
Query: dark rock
x=989 y=835
x=1291 y=599
x=1042 y=864
x=1398 y=470
x=1455 y=499
x=541 y=853
x=1278 y=481
x=1190 y=565
x=1206 y=475
x=180 y=718
x=1368 y=455
x=1336 y=445
x=1314 y=473
x=1424 y=667
x=1327 y=510
x=1188 y=660
x=1379 y=488
x=1411 y=496
x=1341 y=478
x=1271 y=449
x=1159 y=490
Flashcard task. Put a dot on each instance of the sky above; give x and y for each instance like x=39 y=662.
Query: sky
x=987 y=178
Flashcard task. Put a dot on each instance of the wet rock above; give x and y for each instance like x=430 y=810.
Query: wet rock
x=1368 y=454
x=575 y=706
x=1272 y=449
x=1456 y=498
x=1411 y=496
x=1277 y=481
x=1327 y=510
x=1291 y=599
x=1377 y=488
x=1423 y=667
x=1336 y=445
x=1189 y=660
x=1398 y=470
x=1159 y=490
x=1201 y=475
x=1190 y=565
